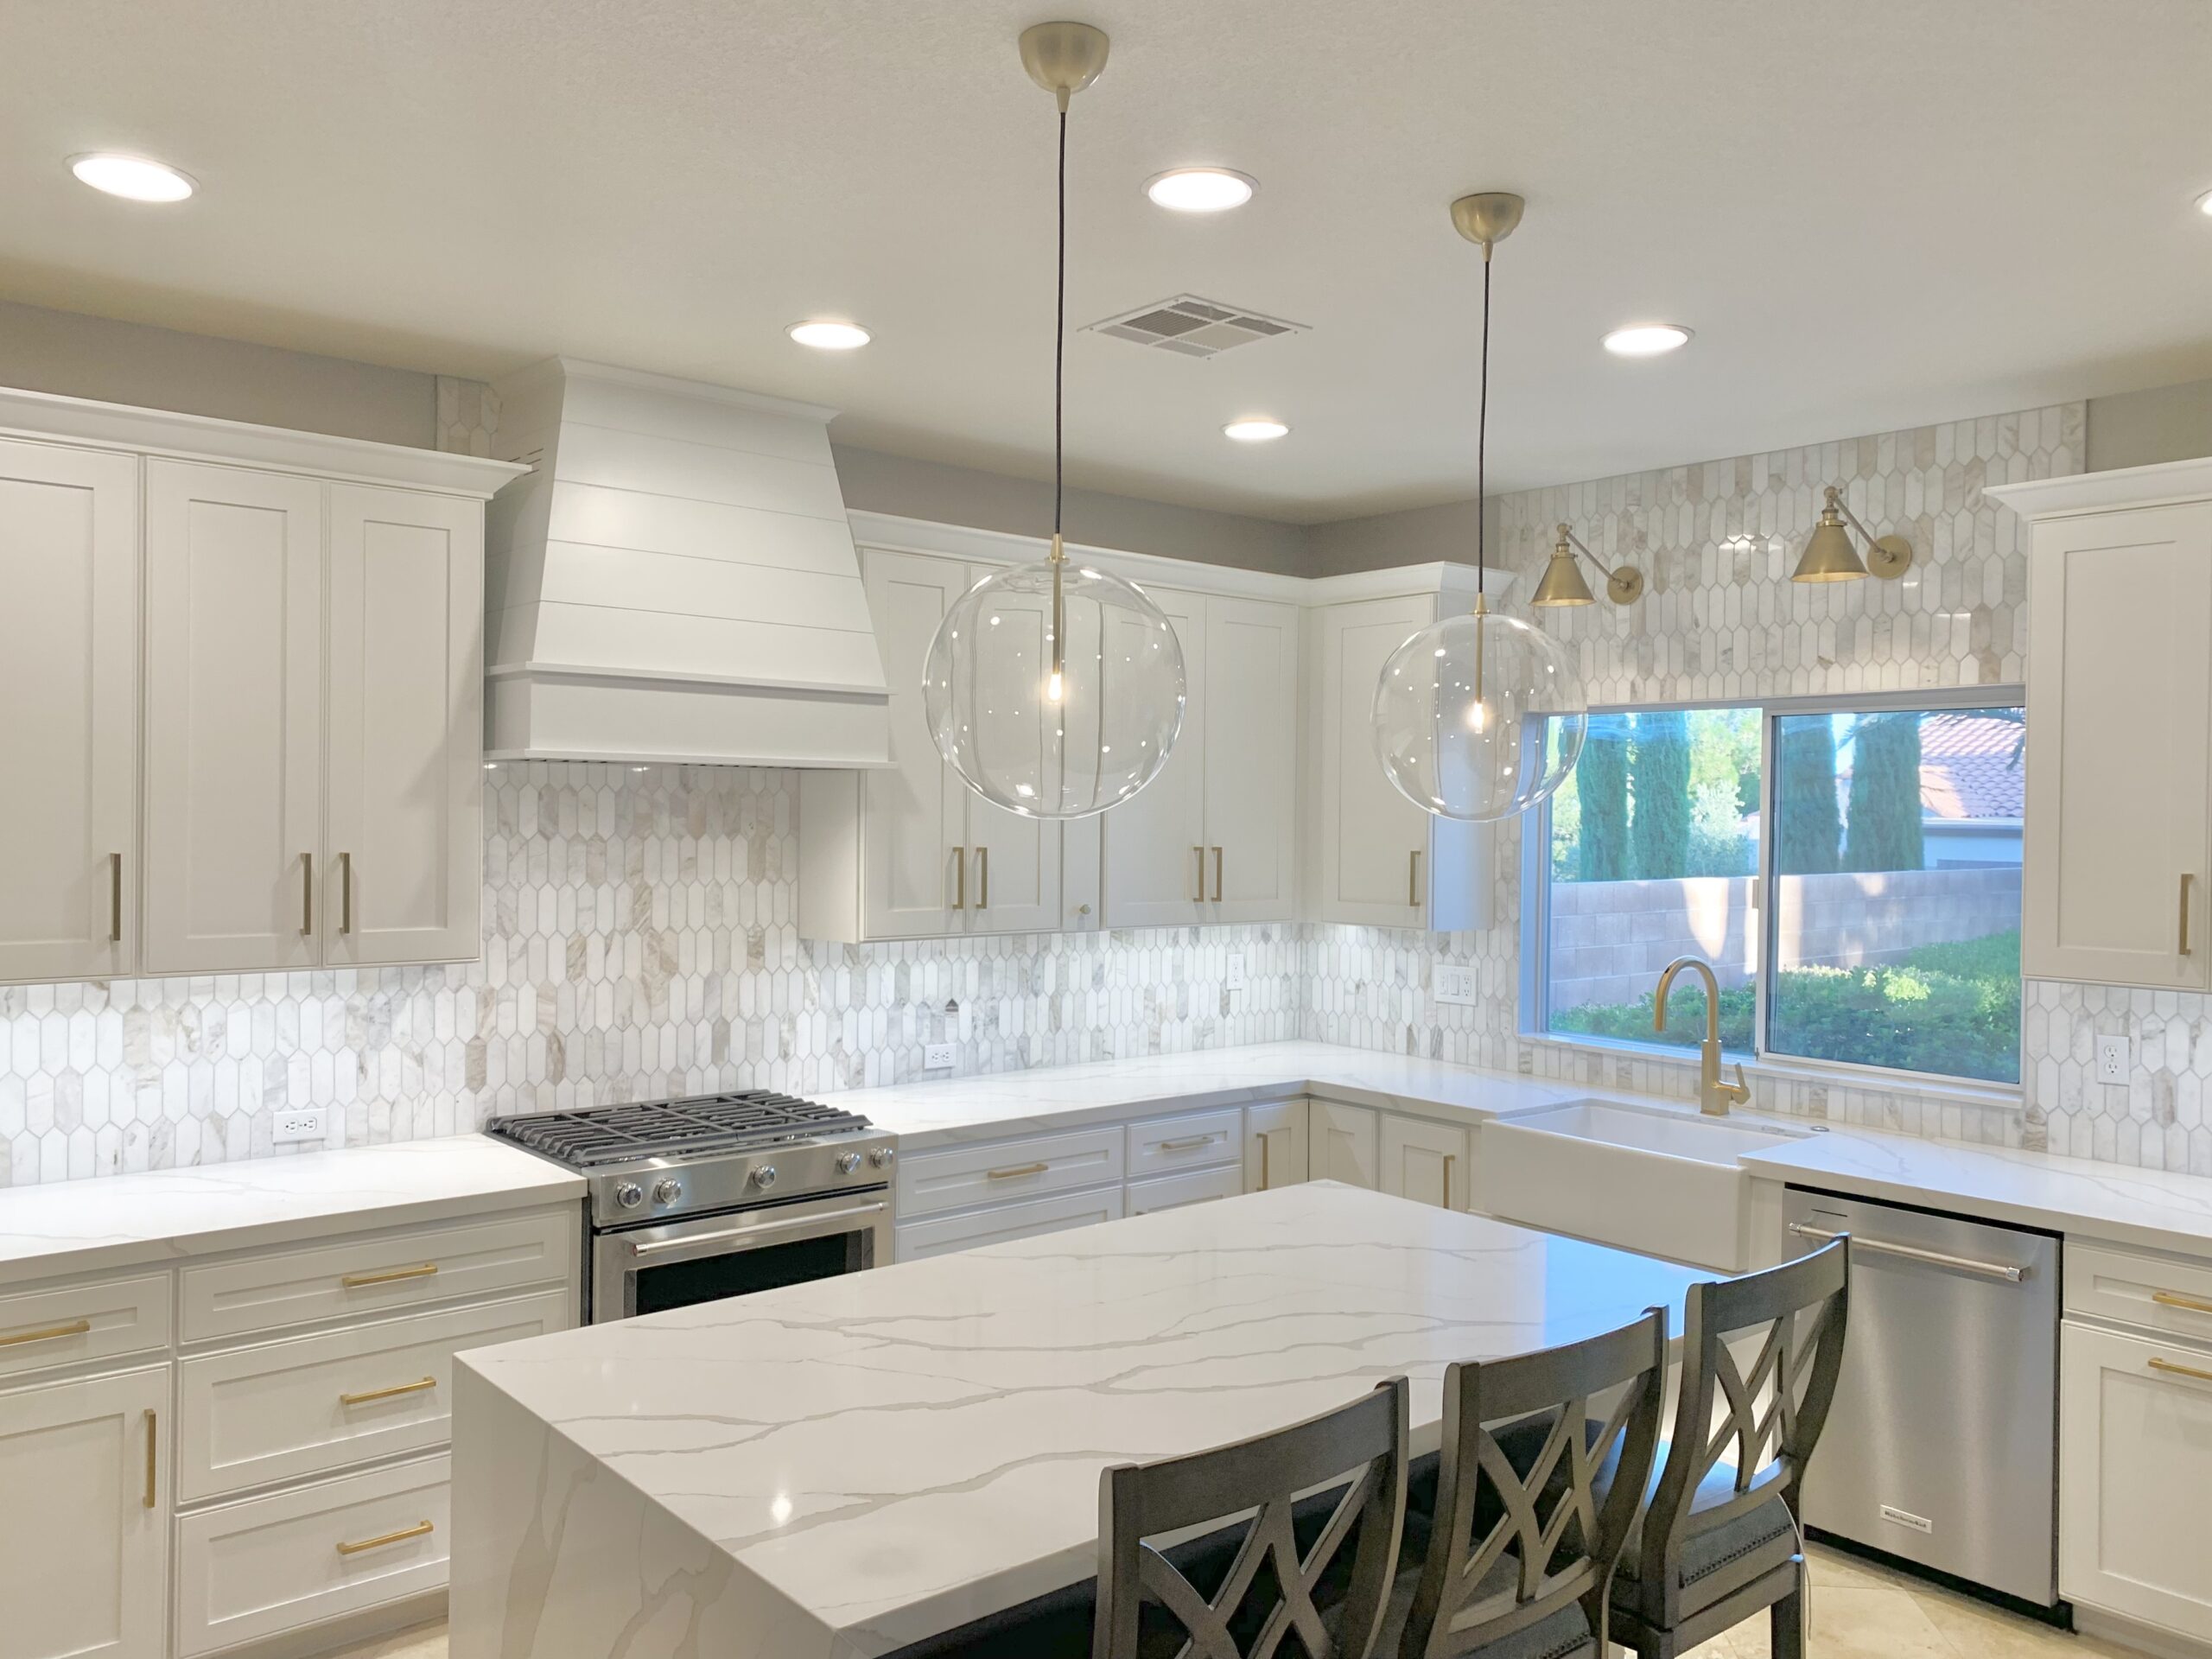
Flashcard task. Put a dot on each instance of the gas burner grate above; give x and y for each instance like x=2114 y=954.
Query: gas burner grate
x=702 y=1123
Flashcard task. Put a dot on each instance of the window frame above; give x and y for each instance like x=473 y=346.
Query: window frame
x=1537 y=885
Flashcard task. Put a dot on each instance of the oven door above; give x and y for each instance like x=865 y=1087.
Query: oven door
x=708 y=1258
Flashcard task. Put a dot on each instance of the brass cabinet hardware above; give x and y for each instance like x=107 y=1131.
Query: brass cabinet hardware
x=74 y=1328
x=1450 y=1159
x=2175 y=1299
x=355 y=1280
x=1266 y=1183
x=115 y=898
x=1412 y=878
x=982 y=878
x=1185 y=1143
x=344 y=892
x=153 y=1458
x=2173 y=1369
x=393 y=1393
x=2186 y=881
x=1012 y=1170
x=960 y=878
x=1217 y=875
x=1199 y=855
x=420 y=1530
x=306 y=894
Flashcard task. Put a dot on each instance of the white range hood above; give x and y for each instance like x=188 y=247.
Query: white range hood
x=674 y=579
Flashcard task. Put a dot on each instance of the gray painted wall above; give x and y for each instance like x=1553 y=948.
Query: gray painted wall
x=2135 y=428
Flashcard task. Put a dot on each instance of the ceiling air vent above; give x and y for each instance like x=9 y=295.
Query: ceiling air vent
x=1191 y=327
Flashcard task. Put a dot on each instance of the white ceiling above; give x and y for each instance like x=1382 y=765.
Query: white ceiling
x=1874 y=212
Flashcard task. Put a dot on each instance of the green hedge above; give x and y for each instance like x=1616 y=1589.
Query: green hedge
x=1951 y=1009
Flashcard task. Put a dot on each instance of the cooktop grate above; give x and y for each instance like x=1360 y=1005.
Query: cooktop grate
x=700 y=1124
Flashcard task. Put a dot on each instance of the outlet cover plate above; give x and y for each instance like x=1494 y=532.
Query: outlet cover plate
x=1235 y=979
x=939 y=1056
x=300 y=1123
x=2113 y=1060
x=1455 y=983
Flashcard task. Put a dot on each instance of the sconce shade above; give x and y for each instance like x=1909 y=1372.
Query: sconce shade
x=1829 y=556
x=1562 y=583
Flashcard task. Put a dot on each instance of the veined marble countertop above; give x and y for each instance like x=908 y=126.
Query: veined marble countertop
x=835 y=1470
x=120 y=1221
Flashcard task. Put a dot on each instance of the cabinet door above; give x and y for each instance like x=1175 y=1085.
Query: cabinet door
x=1275 y=1144
x=233 y=718
x=1156 y=857
x=1013 y=862
x=69 y=651
x=2119 y=702
x=1374 y=842
x=2135 y=1460
x=914 y=815
x=1002 y=1223
x=1425 y=1161
x=84 y=1536
x=1344 y=1143
x=1251 y=759
x=403 y=876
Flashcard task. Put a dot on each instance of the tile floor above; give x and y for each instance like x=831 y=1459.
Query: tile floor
x=1859 y=1611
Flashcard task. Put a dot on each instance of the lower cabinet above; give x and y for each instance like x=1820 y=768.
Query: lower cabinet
x=1194 y=1186
x=1344 y=1143
x=85 y=1518
x=1002 y=1223
x=1275 y=1144
x=2134 y=1463
x=1426 y=1161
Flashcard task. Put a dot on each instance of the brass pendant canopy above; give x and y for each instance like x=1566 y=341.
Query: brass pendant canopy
x=1830 y=557
x=1063 y=58
x=1487 y=216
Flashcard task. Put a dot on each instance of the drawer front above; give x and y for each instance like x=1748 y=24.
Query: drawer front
x=1007 y=1221
x=78 y=1324
x=961 y=1177
x=316 y=1404
x=279 y=1563
x=378 y=1273
x=1172 y=1143
x=2174 y=1298
x=1191 y=1186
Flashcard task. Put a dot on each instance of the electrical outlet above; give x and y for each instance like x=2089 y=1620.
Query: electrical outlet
x=299 y=1123
x=1236 y=980
x=1455 y=984
x=939 y=1056
x=2115 y=1059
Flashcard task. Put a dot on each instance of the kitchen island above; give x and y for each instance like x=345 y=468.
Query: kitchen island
x=839 y=1469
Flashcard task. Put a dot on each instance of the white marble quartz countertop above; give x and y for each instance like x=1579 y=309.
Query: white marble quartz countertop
x=126 y=1220
x=889 y=1454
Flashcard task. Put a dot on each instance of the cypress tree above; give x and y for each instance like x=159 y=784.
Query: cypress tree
x=1885 y=830
x=1659 y=780
x=1601 y=775
x=1808 y=825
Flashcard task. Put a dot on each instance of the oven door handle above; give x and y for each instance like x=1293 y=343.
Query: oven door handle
x=761 y=1229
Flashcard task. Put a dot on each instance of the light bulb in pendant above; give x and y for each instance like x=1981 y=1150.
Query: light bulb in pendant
x=1478 y=717
x=1052 y=689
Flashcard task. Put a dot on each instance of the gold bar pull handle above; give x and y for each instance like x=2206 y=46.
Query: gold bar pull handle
x=1012 y=1170
x=1450 y=1159
x=982 y=878
x=115 y=898
x=2187 y=881
x=420 y=1530
x=1267 y=1181
x=344 y=892
x=1186 y=1143
x=355 y=1280
x=153 y=1459
x=1199 y=854
x=2172 y=1370
x=307 y=895
x=48 y=1333
x=1217 y=875
x=960 y=878
x=393 y=1393
x=1412 y=878
x=2175 y=1299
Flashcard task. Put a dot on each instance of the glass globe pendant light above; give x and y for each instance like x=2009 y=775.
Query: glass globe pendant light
x=1055 y=689
x=1480 y=716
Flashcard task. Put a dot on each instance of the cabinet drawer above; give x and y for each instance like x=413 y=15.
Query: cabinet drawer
x=1007 y=1221
x=378 y=1273
x=1191 y=1186
x=1191 y=1142
x=314 y=1404
x=76 y=1324
x=961 y=1176
x=279 y=1563
x=2172 y=1297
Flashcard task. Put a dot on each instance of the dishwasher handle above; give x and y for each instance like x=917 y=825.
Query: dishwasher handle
x=1934 y=1258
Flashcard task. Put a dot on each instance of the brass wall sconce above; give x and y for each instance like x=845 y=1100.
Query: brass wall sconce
x=1562 y=583
x=1829 y=556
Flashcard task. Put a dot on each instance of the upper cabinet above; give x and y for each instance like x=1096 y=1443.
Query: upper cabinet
x=2117 y=847
x=259 y=654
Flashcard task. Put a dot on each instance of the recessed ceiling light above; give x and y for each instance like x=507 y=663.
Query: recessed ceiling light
x=1647 y=339
x=132 y=177
x=2204 y=204
x=1201 y=189
x=826 y=336
x=1255 y=428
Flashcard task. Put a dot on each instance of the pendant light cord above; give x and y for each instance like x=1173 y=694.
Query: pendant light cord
x=1060 y=324
x=1482 y=434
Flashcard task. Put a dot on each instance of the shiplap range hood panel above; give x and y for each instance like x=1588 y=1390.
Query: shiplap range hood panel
x=674 y=579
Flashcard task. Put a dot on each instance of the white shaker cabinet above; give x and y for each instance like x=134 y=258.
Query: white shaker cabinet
x=402 y=865
x=1276 y=1149
x=2117 y=850
x=233 y=718
x=1426 y=1161
x=83 y=1533
x=69 y=578
x=1344 y=1143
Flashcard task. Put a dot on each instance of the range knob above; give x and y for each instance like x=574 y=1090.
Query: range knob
x=848 y=1162
x=629 y=1195
x=881 y=1156
x=667 y=1190
x=765 y=1177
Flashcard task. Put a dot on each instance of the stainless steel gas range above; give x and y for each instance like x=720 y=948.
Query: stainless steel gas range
x=714 y=1196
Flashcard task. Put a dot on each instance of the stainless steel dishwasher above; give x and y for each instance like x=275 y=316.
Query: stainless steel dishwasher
x=1941 y=1446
